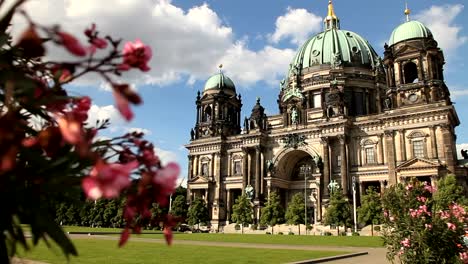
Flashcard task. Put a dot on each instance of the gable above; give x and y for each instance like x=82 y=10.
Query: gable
x=417 y=163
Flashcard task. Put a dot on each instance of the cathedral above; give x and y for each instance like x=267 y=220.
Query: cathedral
x=347 y=120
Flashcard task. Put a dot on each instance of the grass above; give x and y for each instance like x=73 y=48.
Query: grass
x=105 y=251
x=340 y=241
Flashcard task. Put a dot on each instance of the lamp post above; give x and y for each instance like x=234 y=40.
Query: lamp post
x=354 y=204
x=305 y=169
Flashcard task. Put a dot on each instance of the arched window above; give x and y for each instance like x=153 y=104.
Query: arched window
x=369 y=147
x=207 y=114
x=411 y=72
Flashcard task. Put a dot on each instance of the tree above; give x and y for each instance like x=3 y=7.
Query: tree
x=370 y=211
x=448 y=191
x=242 y=211
x=295 y=212
x=338 y=212
x=179 y=207
x=273 y=212
x=197 y=213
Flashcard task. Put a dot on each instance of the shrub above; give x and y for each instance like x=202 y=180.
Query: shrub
x=342 y=233
x=253 y=227
x=280 y=233
x=291 y=233
x=237 y=227
x=355 y=234
x=422 y=228
x=268 y=233
x=327 y=234
x=377 y=228
x=310 y=227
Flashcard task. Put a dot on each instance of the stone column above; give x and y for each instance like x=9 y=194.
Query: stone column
x=229 y=165
x=344 y=166
x=359 y=154
x=433 y=142
x=228 y=204
x=380 y=157
x=262 y=173
x=326 y=166
x=196 y=166
x=390 y=148
x=447 y=139
x=402 y=155
x=257 y=172
x=190 y=167
x=382 y=186
x=212 y=169
x=244 y=167
x=249 y=169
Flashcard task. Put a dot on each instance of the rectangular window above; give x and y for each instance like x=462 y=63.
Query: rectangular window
x=205 y=169
x=338 y=161
x=418 y=148
x=370 y=155
x=237 y=167
x=317 y=100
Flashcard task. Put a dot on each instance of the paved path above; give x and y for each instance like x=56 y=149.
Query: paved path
x=375 y=256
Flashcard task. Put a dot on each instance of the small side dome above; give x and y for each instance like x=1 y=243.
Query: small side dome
x=409 y=30
x=219 y=81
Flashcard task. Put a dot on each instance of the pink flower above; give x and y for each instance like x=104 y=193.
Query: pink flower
x=165 y=179
x=464 y=257
x=137 y=55
x=72 y=44
x=406 y=242
x=451 y=226
x=123 y=106
x=108 y=180
x=409 y=187
x=422 y=199
x=428 y=226
x=71 y=129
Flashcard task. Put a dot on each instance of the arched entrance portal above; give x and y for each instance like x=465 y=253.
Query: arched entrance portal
x=296 y=171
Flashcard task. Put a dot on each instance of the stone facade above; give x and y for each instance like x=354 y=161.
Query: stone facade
x=377 y=124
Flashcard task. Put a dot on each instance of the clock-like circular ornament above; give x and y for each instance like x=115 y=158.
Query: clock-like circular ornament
x=413 y=98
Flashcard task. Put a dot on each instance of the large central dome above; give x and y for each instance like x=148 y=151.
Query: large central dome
x=335 y=47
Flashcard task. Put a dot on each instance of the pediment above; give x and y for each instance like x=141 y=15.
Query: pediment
x=199 y=180
x=417 y=163
x=406 y=49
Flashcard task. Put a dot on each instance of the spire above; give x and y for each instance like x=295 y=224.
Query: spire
x=221 y=76
x=220 y=66
x=407 y=12
x=331 y=21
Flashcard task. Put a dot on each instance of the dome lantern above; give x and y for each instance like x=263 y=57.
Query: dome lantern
x=331 y=21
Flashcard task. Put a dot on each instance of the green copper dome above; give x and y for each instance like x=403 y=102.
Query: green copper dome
x=409 y=30
x=335 y=47
x=219 y=81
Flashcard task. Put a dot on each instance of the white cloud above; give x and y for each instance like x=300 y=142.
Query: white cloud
x=100 y=113
x=297 y=25
x=247 y=67
x=165 y=156
x=145 y=131
x=187 y=44
x=441 y=21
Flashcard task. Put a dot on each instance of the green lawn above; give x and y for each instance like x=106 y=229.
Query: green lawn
x=105 y=251
x=344 y=241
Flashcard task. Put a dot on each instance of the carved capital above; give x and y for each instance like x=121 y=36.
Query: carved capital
x=325 y=140
x=342 y=139
x=389 y=133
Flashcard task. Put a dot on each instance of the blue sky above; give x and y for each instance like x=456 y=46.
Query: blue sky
x=255 y=40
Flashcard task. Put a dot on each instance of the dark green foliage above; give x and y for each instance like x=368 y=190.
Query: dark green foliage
x=370 y=211
x=179 y=207
x=449 y=191
x=295 y=212
x=273 y=212
x=242 y=211
x=338 y=212
x=197 y=213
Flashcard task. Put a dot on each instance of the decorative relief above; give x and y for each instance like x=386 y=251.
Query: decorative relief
x=294 y=141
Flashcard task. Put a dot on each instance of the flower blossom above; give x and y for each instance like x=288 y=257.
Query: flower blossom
x=422 y=199
x=451 y=226
x=406 y=242
x=108 y=180
x=72 y=44
x=136 y=55
x=428 y=226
